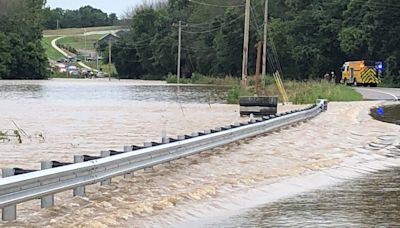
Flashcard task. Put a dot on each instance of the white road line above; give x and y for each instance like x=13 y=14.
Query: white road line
x=390 y=94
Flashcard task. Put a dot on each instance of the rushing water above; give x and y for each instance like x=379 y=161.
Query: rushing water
x=91 y=90
x=86 y=116
x=371 y=201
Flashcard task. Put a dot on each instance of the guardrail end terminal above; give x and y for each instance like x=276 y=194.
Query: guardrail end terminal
x=323 y=103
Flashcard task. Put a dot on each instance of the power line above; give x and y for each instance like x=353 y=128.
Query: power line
x=213 y=5
x=215 y=28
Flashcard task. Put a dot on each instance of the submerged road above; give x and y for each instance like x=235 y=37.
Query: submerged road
x=379 y=93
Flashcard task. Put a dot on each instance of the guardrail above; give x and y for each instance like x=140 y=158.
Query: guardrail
x=19 y=185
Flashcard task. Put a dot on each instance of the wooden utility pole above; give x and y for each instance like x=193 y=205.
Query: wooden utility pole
x=264 y=63
x=109 y=59
x=258 y=63
x=84 y=34
x=246 y=44
x=178 y=70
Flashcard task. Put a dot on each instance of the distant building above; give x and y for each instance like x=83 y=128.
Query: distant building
x=105 y=39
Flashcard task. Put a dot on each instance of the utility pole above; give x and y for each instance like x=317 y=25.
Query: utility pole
x=109 y=59
x=264 y=62
x=84 y=34
x=259 y=44
x=246 y=44
x=178 y=70
x=97 y=60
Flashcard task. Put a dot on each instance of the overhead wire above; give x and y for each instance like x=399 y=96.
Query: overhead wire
x=215 y=28
x=214 y=5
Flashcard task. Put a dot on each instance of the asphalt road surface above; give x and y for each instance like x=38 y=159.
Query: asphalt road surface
x=379 y=93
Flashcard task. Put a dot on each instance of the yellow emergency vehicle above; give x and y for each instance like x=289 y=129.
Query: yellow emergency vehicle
x=362 y=73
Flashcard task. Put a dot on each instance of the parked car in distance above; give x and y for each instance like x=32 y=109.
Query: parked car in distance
x=74 y=73
x=100 y=74
x=62 y=60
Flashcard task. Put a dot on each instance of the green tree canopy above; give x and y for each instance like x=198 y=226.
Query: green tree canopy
x=306 y=38
x=21 y=53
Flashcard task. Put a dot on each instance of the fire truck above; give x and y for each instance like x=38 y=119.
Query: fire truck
x=362 y=73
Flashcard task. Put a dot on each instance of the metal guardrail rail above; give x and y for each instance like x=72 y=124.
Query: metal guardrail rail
x=18 y=186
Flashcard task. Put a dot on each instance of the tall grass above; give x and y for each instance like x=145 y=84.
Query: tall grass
x=300 y=92
x=235 y=92
x=78 y=31
x=204 y=80
x=50 y=51
x=308 y=92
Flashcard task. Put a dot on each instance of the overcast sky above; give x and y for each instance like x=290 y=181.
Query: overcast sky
x=109 y=6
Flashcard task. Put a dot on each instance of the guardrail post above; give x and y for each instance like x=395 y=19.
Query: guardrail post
x=47 y=201
x=9 y=213
x=107 y=181
x=181 y=137
x=79 y=191
x=164 y=138
x=128 y=149
x=148 y=144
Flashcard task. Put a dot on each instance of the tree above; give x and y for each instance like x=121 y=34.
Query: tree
x=21 y=53
x=86 y=16
x=5 y=56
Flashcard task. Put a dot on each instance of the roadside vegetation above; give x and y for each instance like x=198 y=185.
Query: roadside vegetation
x=306 y=92
x=22 y=55
x=80 y=42
x=103 y=66
x=299 y=92
x=307 y=38
x=78 y=31
x=85 y=16
x=50 y=51
x=205 y=80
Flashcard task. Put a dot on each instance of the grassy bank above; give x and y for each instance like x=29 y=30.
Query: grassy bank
x=302 y=92
x=93 y=65
x=205 y=80
x=78 y=42
x=78 y=31
x=298 y=92
x=50 y=51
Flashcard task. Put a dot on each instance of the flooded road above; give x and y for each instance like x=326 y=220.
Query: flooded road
x=368 y=201
x=340 y=145
x=91 y=90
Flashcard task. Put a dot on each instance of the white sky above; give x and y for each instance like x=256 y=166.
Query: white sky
x=108 y=6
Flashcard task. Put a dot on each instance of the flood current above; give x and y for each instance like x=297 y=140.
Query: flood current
x=338 y=169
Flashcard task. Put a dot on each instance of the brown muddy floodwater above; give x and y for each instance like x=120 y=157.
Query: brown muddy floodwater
x=318 y=173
